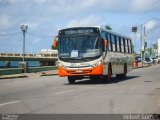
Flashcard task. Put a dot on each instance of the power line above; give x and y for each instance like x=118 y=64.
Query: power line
x=10 y=34
x=35 y=35
x=153 y=29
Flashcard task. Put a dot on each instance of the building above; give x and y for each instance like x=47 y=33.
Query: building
x=48 y=51
x=154 y=51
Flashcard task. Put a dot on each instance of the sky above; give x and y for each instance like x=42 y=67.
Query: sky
x=46 y=17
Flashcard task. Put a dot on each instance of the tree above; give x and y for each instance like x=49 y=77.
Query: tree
x=149 y=51
x=108 y=27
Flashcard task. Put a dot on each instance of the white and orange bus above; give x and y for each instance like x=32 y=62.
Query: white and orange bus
x=93 y=52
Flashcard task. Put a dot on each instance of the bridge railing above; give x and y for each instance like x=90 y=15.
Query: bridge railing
x=51 y=55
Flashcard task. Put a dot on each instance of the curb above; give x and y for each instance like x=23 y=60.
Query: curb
x=140 y=67
x=43 y=75
x=13 y=76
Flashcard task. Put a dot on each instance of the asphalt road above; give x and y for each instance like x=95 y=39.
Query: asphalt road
x=139 y=93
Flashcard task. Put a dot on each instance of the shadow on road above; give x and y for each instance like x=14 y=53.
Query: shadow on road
x=90 y=82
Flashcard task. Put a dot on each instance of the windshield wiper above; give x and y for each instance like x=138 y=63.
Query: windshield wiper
x=83 y=59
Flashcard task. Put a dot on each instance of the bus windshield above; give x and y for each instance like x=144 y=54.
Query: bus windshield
x=79 y=46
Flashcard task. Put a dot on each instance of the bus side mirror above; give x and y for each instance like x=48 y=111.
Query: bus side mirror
x=105 y=43
x=55 y=42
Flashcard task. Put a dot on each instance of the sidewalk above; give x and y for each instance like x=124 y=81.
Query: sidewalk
x=140 y=65
x=30 y=75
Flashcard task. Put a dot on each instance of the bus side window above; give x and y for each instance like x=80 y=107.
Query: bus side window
x=122 y=45
x=109 y=42
x=117 y=41
x=115 y=38
x=103 y=36
x=119 y=44
x=113 y=42
x=130 y=46
x=126 y=45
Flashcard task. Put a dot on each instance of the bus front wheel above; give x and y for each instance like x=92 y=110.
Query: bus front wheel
x=71 y=80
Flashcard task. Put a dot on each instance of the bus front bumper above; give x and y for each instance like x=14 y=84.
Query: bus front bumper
x=80 y=71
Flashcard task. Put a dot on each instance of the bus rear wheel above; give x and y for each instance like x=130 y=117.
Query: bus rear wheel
x=71 y=80
x=109 y=73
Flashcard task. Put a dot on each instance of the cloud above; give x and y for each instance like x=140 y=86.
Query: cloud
x=89 y=21
x=73 y=6
x=37 y=40
x=4 y=21
x=123 y=6
x=145 y=5
x=40 y=1
x=33 y=25
x=45 y=16
x=150 y=24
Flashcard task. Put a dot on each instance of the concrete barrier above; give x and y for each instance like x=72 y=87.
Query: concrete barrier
x=39 y=69
x=9 y=71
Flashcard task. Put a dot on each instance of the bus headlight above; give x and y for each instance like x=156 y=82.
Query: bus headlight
x=96 y=64
x=61 y=65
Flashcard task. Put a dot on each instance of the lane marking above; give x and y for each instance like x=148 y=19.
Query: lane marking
x=66 y=91
x=76 y=90
x=9 y=103
x=98 y=85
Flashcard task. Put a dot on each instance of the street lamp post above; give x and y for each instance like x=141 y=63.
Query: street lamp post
x=24 y=28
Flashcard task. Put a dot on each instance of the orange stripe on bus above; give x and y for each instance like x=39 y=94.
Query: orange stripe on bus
x=83 y=72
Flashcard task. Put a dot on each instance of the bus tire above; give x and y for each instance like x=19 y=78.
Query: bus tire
x=71 y=80
x=123 y=76
x=118 y=76
x=125 y=71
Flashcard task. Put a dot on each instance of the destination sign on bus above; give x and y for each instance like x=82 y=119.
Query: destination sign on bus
x=78 y=31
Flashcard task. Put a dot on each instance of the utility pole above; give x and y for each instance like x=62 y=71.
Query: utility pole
x=144 y=37
x=144 y=56
x=141 y=40
x=134 y=30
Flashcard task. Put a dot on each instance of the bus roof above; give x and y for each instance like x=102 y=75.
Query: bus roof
x=100 y=28
x=112 y=32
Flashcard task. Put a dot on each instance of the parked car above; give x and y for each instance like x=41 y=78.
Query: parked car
x=139 y=59
x=147 y=61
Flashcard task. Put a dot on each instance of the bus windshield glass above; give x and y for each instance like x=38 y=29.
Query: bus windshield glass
x=80 y=46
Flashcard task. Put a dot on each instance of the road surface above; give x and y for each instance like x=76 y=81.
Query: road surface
x=139 y=93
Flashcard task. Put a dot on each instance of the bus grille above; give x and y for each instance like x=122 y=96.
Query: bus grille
x=79 y=71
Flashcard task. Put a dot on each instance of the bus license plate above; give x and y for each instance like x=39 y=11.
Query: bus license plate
x=79 y=71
